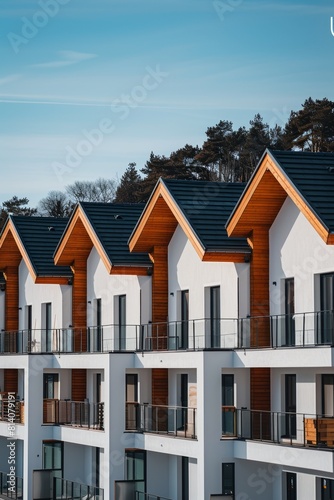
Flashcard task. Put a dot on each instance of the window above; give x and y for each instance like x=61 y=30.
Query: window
x=325 y=317
x=183 y=340
x=215 y=316
x=228 y=409
x=98 y=333
x=185 y=478
x=327 y=395
x=131 y=398
x=50 y=383
x=291 y=486
x=53 y=455
x=327 y=489
x=228 y=479
x=290 y=406
x=46 y=326
x=135 y=467
x=120 y=322
x=289 y=312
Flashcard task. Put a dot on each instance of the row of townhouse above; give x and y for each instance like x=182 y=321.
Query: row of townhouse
x=181 y=350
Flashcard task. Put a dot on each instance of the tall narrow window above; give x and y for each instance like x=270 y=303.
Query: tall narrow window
x=228 y=409
x=215 y=316
x=289 y=312
x=53 y=455
x=183 y=340
x=50 y=382
x=325 y=317
x=122 y=322
x=290 y=406
x=135 y=468
x=182 y=412
x=46 y=326
x=228 y=479
x=185 y=478
x=327 y=489
x=131 y=398
x=328 y=395
x=28 y=326
x=98 y=336
x=291 y=486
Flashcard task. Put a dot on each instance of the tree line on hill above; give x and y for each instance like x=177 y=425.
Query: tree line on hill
x=226 y=155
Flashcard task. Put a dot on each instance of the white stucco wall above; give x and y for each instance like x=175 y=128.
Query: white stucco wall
x=35 y=295
x=100 y=284
x=296 y=251
x=187 y=272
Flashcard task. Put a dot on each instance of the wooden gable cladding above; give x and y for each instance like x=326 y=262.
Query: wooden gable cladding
x=79 y=303
x=156 y=226
x=11 y=380
x=260 y=204
x=76 y=242
x=79 y=384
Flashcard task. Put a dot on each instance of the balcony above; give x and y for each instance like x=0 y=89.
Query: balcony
x=276 y=331
x=291 y=429
x=175 y=421
x=73 y=413
x=11 y=487
x=11 y=410
x=69 y=490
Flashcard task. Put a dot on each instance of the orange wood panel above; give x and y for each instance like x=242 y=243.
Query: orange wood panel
x=12 y=298
x=131 y=270
x=260 y=389
x=79 y=303
x=160 y=296
x=226 y=257
x=79 y=384
x=11 y=380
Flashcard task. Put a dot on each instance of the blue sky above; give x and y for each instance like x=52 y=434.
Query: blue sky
x=88 y=86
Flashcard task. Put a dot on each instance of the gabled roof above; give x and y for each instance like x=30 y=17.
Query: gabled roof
x=307 y=178
x=34 y=239
x=107 y=226
x=312 y=175
x=200 y=207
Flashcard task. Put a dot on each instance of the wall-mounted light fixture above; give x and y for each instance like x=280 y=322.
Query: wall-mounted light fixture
x=274 y=283
x=172 y=294
x=89 y=302
x=20 y=308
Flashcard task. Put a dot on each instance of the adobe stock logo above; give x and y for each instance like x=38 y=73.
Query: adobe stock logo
x=332 y=26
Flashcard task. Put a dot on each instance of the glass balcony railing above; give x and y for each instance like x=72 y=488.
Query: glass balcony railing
x=11 y=486
x=74 y=413
x=139 y=495
x=70 y=490
x=276 y=331
x=170 y=420
x=294 y=429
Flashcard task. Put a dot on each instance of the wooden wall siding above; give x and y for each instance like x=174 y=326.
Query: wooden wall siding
x=11 y=306
x=79 y=384
x=10 y=380
x=79 y=304
x=160 y=296
x=259 y=287
x=160 y=397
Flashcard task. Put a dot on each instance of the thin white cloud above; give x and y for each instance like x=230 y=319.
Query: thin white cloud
x=9 y=79
x=303 y=8
x=67 y=58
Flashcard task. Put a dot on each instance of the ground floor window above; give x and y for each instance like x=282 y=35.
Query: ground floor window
x=135 y=467
x=291 y=486
x=228 y=479
x=327 y=489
